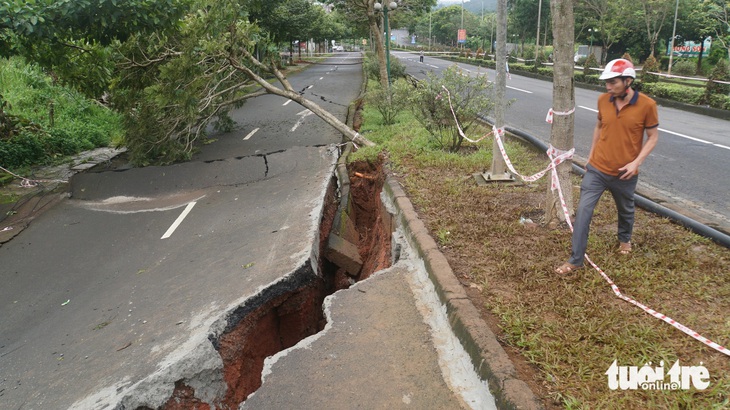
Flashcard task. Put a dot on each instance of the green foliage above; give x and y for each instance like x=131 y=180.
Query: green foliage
x=42 y=122
x=676 y=92
x=174 y=85
x=651 y=65
x=72 y=39
x=684 y=68
x=389 y=101
x=372 y=68
x=719 y=73
x=717 y=53
x=469 y=99
x=590 y=62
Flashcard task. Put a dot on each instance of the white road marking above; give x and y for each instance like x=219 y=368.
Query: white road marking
x=674 y=133
x=287 y=102
x=321 y=78
x=519 y=89
x=178 y=221
x=250 y=134
x=685 y=136
x=303 y=115
x=310 y=87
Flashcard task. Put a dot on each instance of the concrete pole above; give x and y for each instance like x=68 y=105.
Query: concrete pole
x=498 y=171
x=674 y=35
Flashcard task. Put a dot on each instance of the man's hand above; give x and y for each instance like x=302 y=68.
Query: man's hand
x=628 y=171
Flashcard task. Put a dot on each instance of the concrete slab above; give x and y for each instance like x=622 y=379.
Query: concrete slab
x=87 y=335
x=377 y=351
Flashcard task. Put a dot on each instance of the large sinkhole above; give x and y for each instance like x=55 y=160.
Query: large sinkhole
x=354 y=242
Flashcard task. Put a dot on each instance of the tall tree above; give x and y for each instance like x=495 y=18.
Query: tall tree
x=610 y=17
x=561 y=133
x=718 y=11
x=654 y=13
x=363 y=10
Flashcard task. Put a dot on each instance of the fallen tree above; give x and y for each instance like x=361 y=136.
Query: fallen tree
x=174 y=84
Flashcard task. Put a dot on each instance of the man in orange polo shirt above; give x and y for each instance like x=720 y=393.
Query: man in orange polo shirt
x=617 y=151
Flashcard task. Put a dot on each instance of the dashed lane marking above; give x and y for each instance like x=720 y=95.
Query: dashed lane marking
x=178 y=221
x=250 y=134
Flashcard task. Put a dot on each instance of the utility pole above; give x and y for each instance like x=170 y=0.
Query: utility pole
x=537 y=37
x=674 y=36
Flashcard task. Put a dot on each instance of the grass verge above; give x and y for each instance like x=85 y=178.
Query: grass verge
x=48 y=122
x=566 y=331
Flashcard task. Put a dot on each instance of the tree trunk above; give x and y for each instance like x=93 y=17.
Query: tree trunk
x=699 y=57
x=288 y=92
x=376 y=27
x=561 y=134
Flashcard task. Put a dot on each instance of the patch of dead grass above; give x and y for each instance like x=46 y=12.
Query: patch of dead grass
x=571 y=329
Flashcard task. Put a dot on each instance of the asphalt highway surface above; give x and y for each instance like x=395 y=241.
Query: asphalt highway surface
x=691 y=163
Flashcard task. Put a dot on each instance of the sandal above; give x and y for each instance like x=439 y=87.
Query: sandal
x=566 y=268
x=624 y=248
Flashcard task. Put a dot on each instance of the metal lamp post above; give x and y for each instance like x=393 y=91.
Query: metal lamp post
x=591 y=31
x=378 y=7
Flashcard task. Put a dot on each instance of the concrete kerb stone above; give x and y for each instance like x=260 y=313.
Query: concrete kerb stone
x=487 y=355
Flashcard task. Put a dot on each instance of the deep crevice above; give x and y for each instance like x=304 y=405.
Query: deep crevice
x=291 y=310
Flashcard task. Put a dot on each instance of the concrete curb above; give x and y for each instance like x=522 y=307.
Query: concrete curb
x=489 y=358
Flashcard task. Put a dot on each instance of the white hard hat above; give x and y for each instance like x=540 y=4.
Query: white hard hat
x=618 y=68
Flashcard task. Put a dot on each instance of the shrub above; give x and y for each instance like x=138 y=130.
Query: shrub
x=372 y=68
x=627 y=56
x=430 y=105
x=24 y=149
x=719 y=73
x=40 y=121
x=650 y=66
x=676 y=92
x=685 y=68
x=590 y=62
x=389 y=101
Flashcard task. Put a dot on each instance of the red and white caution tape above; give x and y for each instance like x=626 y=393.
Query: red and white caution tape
x=551 y=113
x=556 y=157
x=458 y=126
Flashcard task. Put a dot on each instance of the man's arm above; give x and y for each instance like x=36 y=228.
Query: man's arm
x=632 y=168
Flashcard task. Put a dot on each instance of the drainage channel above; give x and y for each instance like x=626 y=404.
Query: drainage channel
x=355 y=236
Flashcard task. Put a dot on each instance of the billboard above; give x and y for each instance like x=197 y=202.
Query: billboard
x=462 y=36
x=690 y=48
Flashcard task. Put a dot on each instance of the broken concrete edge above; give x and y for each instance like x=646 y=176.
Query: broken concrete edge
x=197 y=363
x=488 y=357
x=56 y=187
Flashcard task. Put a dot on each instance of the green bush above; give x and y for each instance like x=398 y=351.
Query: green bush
x=684 y=68
x=590 y=62
x=389 y=101
x=61 y=121
x=650 y=66
x=372 y=68
x=22 y=150
x=676 y=92
x=719 y=73
x=433 y=109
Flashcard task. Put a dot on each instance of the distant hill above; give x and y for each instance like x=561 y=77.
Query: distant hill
x=474 y=6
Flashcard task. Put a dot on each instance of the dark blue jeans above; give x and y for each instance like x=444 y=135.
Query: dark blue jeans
x=594 y=184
